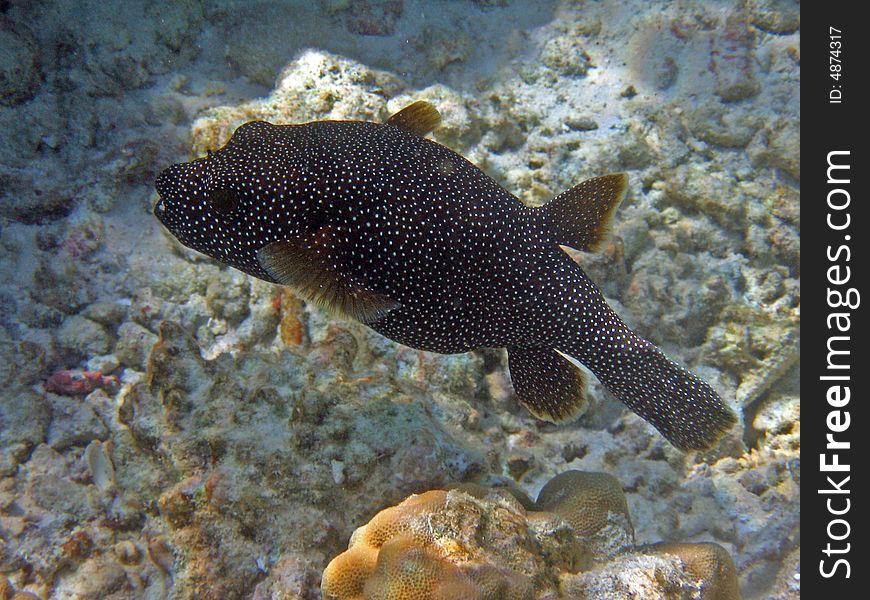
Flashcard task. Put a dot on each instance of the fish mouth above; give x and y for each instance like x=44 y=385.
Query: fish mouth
x=163 y=185
x=159 y=209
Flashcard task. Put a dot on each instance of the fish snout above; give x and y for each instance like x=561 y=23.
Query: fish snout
x=159 y=209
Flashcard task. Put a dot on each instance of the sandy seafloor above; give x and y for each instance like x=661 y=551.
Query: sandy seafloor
x=235 y=457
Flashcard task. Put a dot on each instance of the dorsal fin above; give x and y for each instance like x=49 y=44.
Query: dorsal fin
x=306 y=265
x=419 y=118
x=580 y=217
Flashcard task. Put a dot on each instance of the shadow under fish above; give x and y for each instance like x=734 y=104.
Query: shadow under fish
x=375 y=222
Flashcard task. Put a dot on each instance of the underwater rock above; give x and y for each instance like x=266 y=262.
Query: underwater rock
x=109 y=314
x=778 y=147
x=777 y=414
x=715 y=124
x=73 y=423
x=26 y=363
x=374 y=17
x=634 y=151
x=631 y=576
x=46 y=489
x=35 y=206
x=581 y=123
x=98 y=577
x=80 y=337
x=267 y=316
x=655 y=52
x=179 y=24
x=105 y=363
x=165 y=109
x=710 y=194
x=680 y=308
x=199 y=420
x=289 y=577
x=134 y=345
x=227 y=297
x=314 y=86
x=776 y=16
x=115 y=51
x=732 y=58
x=566 y=55
x=756 y=347
x=479 y=544
x=443 y=45
x=128 y=552
x=24 y=419
x=788 y=582
x=61 y=284
x=245 y=50
x=19 y=64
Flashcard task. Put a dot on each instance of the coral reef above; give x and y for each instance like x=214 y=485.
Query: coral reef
x=710 y=564
x=479 y=544
x=235 y=437
x=330 y=438
x=19 y=66
x=594 y=506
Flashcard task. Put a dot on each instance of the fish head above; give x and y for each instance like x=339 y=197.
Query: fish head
x=222 y=206
x=185 y=207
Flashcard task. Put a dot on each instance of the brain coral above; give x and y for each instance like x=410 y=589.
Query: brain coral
x=407 y=569
x=710 y=563
x=410 y=552
x=475 y=543
x=595 y=507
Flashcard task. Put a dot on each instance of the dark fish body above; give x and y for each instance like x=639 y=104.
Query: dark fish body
x=378 y=223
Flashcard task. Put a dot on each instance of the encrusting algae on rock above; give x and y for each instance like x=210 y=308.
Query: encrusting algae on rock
x=476 y=543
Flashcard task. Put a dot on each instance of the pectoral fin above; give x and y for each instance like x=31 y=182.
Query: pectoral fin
x=548 y=384
x=305 y=265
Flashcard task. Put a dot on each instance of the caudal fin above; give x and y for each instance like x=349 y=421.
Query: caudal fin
x=685 y=409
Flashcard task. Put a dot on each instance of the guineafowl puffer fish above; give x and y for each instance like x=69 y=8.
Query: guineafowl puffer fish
x=376 y=222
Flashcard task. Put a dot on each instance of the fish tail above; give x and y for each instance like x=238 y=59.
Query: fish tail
x=685 y=409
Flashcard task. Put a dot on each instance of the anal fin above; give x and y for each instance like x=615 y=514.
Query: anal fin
x=547 y=384
x=306 y=265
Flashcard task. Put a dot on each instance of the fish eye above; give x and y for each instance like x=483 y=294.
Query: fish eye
x=223 y=201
